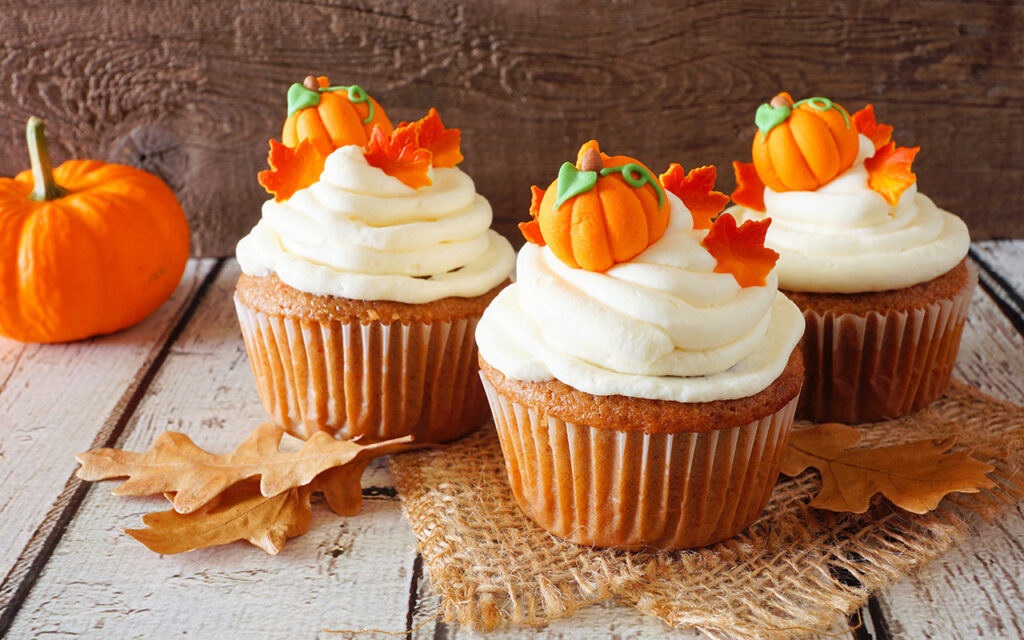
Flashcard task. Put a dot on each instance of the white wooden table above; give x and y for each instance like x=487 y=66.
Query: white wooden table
x=70 y=573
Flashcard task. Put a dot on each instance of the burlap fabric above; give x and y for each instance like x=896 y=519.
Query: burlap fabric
x=791 y=574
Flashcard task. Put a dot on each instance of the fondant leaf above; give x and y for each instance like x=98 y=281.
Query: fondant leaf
x=696 y=190
x=768 y=117
x=442 y=143
x=572 y=182
x=864 y=120
x=889 y=171
x=741 y=251
x=291 y=169
x=399 y=155
x=531 y=229
x=749 y=191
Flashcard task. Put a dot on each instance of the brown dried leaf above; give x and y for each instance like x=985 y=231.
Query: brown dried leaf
x=174 y=464
x=914 y=476
x=239 y=513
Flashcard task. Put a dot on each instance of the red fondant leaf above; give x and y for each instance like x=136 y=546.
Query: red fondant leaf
x=696 y=190
x=749 y=191
x=889 y=171
x=432 y=136
x=864 y=120
x=399 y=155
x=531 y=230
x=741 y=251
x=291 y=169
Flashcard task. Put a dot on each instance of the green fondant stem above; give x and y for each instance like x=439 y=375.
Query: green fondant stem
x=645 y=176
x=44 y=187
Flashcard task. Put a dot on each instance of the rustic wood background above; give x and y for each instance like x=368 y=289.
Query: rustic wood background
x=192 y=90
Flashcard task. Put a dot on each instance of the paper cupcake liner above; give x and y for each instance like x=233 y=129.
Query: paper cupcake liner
x=868 y=368
x=376 y=381
x=631 y=490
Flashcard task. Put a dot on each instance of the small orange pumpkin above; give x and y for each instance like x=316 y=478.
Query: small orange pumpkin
x=91 y=249
x=801 y=146
x=331 y=117
x=600 y=212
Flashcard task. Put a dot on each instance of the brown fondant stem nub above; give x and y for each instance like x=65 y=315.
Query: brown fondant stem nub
x=310 y=83
x=781 y=100
x=591 y=161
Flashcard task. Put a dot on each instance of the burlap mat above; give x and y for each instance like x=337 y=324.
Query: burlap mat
x=793 y=573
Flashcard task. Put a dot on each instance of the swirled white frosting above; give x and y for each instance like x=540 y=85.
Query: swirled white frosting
x=845 y=238
x=662 y=326
x=362 y=234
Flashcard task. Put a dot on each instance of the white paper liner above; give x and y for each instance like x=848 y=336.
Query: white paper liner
x=631 y=490
x=861 y=369
x=376 y=381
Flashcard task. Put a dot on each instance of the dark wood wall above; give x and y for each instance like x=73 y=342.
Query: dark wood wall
x=192 y=90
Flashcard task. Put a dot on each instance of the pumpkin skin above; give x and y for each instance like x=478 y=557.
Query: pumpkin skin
x=810 y=148
x=611 y=223
x=94 y=261
x=334 y=123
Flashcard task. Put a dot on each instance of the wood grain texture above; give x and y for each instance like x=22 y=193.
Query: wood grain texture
x=192 y=91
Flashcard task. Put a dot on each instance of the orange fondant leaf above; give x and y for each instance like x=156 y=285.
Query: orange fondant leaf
x=291 y=169
x=531 y=230
x=749 y=191
x=400 y=155
x=914 y=476
x=864 y=120
x=442 y=143
x=741 y=251
x=696 y=190
x=889 y=171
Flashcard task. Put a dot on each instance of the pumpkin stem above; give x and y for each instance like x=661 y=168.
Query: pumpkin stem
x=591 y=160
x=782 y=100
x=45 y=187
x=310 y=83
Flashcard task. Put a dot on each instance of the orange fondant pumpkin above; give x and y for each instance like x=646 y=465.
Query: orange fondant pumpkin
x=603 y=211
x=331 y=117
x=93 y=248
x=801 y=146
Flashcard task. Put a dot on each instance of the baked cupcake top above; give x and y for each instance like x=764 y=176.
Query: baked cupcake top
x=846 y=213
x=628 y=288
x=365 y=211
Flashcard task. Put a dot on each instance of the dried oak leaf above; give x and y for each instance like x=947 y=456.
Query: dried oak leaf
x=740 y=250
x=864 y=120
x=531 y=229
x=400 y=155
x=174 y=464
x=291 y=169
x=914 y=476
x=889 y=171
x=749 y=191
x=239 y=513
x=696 y=190
x=442 y=143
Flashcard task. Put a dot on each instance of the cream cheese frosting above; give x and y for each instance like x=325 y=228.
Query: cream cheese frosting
x=359 y=233
x=845 y=238
x=662 y=326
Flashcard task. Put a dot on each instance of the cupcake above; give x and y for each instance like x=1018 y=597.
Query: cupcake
x=878 y=270
x=643 y=371
x=364 y=279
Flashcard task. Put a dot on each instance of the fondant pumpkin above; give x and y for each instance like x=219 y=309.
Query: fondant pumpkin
x=602 y=211
x=801 y=146
x=86 y=248
x=331 y=117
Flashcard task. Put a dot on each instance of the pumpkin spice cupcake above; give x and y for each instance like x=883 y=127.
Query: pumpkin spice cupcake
x=877 y=269
x=364 y=280
x=643 y=371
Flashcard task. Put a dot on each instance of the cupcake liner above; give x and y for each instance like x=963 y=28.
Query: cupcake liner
x=374 y=381
x=868 y=368
x=631 y=490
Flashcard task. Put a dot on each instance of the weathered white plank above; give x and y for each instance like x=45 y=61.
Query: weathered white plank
x=55 y=400
x=976 y=590
x=346 y=573
x=1006 y=258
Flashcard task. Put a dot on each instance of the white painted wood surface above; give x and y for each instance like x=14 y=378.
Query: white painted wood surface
x=360 y=572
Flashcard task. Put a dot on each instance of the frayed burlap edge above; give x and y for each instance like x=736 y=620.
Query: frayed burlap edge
x=793 y=573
